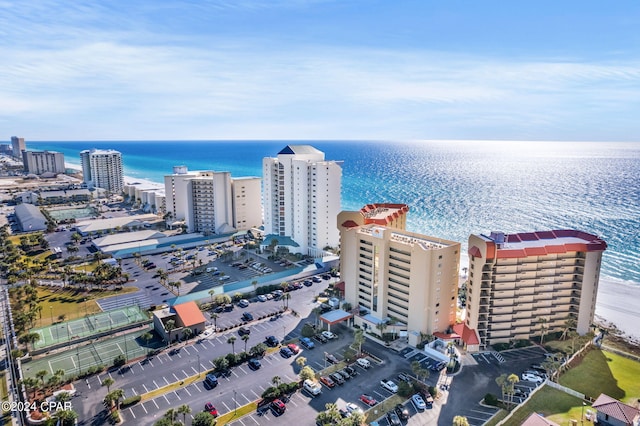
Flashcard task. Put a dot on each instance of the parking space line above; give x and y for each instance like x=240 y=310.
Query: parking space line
x=144 y=408
x=234 y=373
x=194 y=369
x=379 y=394
x=257 y=396
x=226 y=406
x=267 y=359
x=185 y=349
x=185 y=373
x=251 y=417
x=155 y=403
x=140 y=365
x=145 y=388
x=160 y=359
x=133 y=390
x=243 y=395
x=195 y=348
x=166 y=399
x=165 y=379
x=174 y=375
x=154 y=382
x=196 y=387
x=176 y=394
x=131 y=411
x=187 y=390
x=242 y=369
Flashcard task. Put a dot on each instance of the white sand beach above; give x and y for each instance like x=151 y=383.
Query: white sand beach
x=617 y=304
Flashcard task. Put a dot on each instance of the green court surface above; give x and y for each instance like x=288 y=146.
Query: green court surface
x=80 y=359
x=89 y=325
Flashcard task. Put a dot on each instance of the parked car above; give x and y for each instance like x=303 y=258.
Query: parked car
x=332 y=359
x=368 y=399
x=364 y=363
x=254 y=364
x=307 y=283
x=312 y=387
x=262 y=298
x=353 y=408
x=246 y=316
x=211 y=380
x=286 y=352
x=278 y=406
x=351 y=371
x=209 y=408
x=337 y=378
x=389 y=385
x=316 y=279
x=243 y=303
x=307 y=343
x=532 y=378
x=271 y=341
x=401 y=411
x=419 y=402
x=329 y=335
x=320 y=338
x=244 y=330
x=293 y=348
x=344 y=374
x=326 y=380
x=393 y=419
x=404 y=377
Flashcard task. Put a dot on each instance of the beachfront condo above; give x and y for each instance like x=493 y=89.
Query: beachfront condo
x=41 y=162
x=404 y=280
x=212 y=202
x=301 y=196
x=528 y=284
x=102 y=168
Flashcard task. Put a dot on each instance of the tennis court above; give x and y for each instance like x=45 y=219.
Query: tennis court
x=68 y=331
x=80 y=359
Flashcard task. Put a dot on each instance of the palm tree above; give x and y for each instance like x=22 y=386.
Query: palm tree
x=184 y=409
x=40 y=375
x=285 y=300
x=232 y=340
x=569 y=324
x=66 y=417
x=214 y=317
x=118 y=394
x=382 y=326
x=512 y=379
x=276 y=380
x=147 y=338
x=108 y=382
x=169 y=325
x=543 y=329
x=245 y=339
x=171 y=415
x=358 y=339
x=188 y=333
x=502 y=382
x=211 y=293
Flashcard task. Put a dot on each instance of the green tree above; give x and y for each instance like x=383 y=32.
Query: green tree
x=330 y=416
x=184 y=409
x=232 y=341
x=187 y=333
x=460 y=421
x=358 y=339
x=543 y=328
x=169 y=326
x=502 y=382
x=147 y=337
x=108 y=382
x=214 y=317
x=66 y=417
x=421 y=373
x=276 y=380
x=245 y=339
x=307 y=373
x=203 y=418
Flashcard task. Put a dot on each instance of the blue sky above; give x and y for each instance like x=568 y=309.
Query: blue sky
x=305 y=69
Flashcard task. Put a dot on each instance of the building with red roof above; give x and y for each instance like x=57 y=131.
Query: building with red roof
x=182 y=316
x=406 y=280
x=610 y=411
x=522 y=285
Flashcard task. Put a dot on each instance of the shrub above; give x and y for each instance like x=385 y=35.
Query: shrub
x=522 y=343
x=119 y=361
x=501 y=346
x=307 y=331
x=433 y=391
x=491 y=399
x=114 y=417
x=127 y=402
x=405 y=389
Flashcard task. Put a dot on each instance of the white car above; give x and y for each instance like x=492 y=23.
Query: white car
x=419 y=402
x=364 y=363
x=389 y=385
x=351 y=408
x=532 y=378
x=329 y=335
x=262 y=298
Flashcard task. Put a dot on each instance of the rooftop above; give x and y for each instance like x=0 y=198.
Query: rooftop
x=616 y=409
x=299 y=149
x=189 y=313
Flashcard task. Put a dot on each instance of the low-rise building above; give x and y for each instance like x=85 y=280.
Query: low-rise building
x=171 y=322
x=30 y=218
x=611 y=412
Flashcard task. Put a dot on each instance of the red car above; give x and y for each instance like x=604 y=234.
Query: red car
x=327 y=381
x=368 y=399
x=208 y=407
x=293 y=348
x=278 y=406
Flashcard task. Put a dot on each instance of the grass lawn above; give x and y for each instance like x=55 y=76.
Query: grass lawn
x=547 y=401
x=497 y=418
x=71 y=302
x=605 y=372
x=236 y=414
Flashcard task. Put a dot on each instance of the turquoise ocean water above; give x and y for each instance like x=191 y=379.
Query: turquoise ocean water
x=453 y=188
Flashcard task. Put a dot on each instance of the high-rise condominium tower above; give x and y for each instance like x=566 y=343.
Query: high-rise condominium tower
x=301 y=196
x=528 y=284
x=103 y=169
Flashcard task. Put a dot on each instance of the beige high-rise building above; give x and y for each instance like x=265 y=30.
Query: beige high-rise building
x=40 y=162
x=212 y=202
x=522 y=284
x=407 y=280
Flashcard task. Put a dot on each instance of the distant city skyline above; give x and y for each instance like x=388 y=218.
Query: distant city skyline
x=320 y=69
